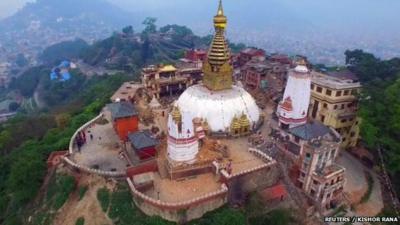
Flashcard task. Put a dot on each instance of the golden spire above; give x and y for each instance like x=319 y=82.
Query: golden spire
x=302 y=62
x=220 y=19
x=220 y=9
x=217 y=70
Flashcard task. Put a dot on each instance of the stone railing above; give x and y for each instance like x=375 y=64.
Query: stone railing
x=268 y=162
x=86 y=125
x=261 y=154
x=177 y=205
x=86 y=169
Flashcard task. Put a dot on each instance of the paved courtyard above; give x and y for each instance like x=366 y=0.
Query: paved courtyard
x=103 y=151
x=241 y=158
x=175 y=191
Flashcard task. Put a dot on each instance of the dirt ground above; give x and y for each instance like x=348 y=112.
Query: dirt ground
x=103 y=150
x=176 y=191
x=88 y=207
x=356 y=186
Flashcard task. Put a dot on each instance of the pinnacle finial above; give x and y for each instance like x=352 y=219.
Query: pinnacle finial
x=220 y=9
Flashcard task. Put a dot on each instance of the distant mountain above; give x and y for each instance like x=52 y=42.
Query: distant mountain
x=129 y=51
x=62 y=15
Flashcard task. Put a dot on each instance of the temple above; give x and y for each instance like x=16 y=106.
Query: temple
x=191 y=137
x=226 y=109
x=293 y=109
x=217 y=68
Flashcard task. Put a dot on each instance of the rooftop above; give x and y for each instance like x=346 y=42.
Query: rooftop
x=344 y=75
x=330 y=170
x=310 y=130
x=253 y=51
x=333 y=81
x=122 y=110
x=142 y=139
x=126 y=91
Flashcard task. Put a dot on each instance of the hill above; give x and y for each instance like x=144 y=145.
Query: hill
x=63 y=15
x=129 y=51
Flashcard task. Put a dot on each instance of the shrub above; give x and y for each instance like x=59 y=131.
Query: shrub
x=65 y=186
x=82 y=191
x=103 y=195
x=370 y=182
x=80 y=221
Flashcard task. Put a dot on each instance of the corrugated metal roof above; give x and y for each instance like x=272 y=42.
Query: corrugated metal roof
x=122 y=110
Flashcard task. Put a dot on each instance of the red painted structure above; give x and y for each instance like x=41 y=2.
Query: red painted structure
x=125 y=118
x=144 y=144
x=124 y=126
x=150 y=166
x=55 y=158
x=146 y=153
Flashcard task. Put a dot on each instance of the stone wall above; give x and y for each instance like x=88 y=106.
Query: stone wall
x=86 y=125
x=179 y=211
x=85 y=169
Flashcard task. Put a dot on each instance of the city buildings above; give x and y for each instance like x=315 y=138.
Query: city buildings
x=334 y=102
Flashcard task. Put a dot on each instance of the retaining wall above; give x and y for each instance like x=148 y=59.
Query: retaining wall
x=179 y=211
x=86 y=169
x=86 y=125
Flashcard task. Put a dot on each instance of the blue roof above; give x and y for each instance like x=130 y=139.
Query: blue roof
x=65 y=64
x=61 y=75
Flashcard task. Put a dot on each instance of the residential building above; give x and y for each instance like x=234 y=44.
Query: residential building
x=334 y=102
x=314 y=147
x=250 y=53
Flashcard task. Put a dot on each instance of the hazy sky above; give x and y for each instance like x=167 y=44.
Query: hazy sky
x=341 y=15
x=8 y=7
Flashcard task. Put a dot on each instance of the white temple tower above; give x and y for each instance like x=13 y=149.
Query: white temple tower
x=293 y=109
x=183 y=144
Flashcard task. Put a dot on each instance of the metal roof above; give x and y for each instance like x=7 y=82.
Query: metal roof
x=310 y=130
x=142 y=139
x=122 y=110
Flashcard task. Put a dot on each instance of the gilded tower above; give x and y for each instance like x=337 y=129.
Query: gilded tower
x=217 y=69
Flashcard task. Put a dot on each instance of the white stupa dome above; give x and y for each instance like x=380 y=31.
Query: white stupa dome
x=218 y=108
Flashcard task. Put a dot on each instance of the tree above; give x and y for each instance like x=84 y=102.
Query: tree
x=63 y=120
x=128 y=30
x=370 y=68
x=13 y=106
x=150 y=25
x=21 y=60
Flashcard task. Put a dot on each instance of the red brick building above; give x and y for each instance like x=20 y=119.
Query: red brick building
x=124 y=118
x=248 y=54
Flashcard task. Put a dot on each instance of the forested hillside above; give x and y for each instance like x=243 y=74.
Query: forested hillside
x=380 y=106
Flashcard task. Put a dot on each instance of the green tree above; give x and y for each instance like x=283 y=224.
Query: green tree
x=13 y=106
x=128 y=30
x=150 y=25
x=21 y=61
